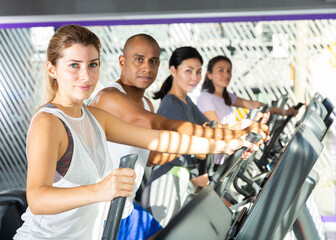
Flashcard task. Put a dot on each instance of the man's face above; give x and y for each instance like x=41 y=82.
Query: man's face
x=140 y=63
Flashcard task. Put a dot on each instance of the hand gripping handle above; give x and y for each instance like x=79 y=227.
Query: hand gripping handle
x=117 y=205
x=233 y=160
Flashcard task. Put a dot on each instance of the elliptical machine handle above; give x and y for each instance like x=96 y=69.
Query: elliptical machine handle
x=209 y=161
x=232 y=160
x=264 y=109
x=254 y=112
x=112 y=224
x=298 y=106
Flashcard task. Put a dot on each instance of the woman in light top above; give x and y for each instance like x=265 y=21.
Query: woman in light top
x=70 y=177
x=215 y=102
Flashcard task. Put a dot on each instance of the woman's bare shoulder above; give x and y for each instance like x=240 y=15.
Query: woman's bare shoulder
x=46 y=122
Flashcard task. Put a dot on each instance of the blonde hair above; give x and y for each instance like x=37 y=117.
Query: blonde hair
x=64 y=38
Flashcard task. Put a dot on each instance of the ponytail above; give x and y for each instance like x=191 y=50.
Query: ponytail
x=165 y=88
x=227 y=98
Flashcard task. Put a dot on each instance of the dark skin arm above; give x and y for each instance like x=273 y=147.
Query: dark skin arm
x=120 y=105
x=124 y=107
x=250 y=104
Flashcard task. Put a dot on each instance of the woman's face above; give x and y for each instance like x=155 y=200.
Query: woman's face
x=77 y=72
x=187 y=75
x=221 y=74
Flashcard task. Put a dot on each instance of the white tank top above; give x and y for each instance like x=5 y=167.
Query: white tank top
x=119 y=150
x=90 y=164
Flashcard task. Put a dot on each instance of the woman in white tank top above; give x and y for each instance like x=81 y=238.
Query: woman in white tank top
x=71 y=204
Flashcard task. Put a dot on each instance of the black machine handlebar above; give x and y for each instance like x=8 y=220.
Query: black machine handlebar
x=117 y=205
x=298 y=106
x=253 y=112
x=209 y=161
x=264 y=109
x=262 y=163
x=233 y=160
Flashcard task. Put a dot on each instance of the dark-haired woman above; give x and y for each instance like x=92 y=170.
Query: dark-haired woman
x=170 y=184
x=215 y=102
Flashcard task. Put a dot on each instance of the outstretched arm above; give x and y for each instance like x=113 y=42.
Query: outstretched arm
x=283 y=112
x=250 y=104
x=160 y=140
x=245 y=103
x=121 y=105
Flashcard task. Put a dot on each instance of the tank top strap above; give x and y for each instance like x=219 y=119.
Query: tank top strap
x=120 y=88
